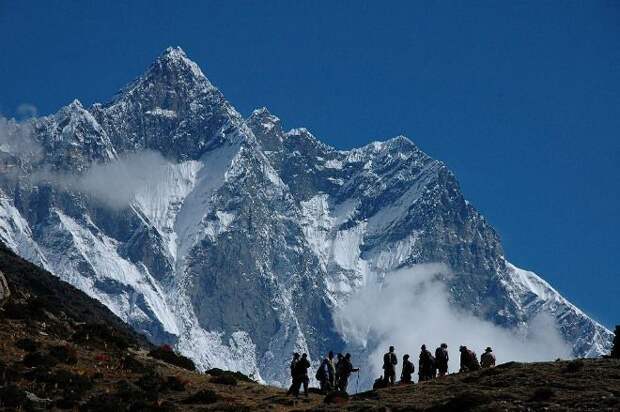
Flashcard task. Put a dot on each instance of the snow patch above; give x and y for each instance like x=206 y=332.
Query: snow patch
x=166 y=113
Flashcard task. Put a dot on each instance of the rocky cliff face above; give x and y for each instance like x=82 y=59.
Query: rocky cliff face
x=241 y=241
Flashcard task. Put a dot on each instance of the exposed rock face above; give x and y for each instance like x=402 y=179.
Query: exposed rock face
x=240 y=249
x=5 y=292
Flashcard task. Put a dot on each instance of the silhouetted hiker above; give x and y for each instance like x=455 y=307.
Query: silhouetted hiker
x=469 y=360
x=389 y=367
x=346 y=368
x=487 y=359
x=408 y=370
x=427 y=365
x=300 y=373
x=293 y=363
x=327 y=373
x=441 y=359
x=615 y=352
x=338 y=366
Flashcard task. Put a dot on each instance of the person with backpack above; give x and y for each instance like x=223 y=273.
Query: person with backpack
x=442 y=358
x=292 y=367
x=301 y=375
x=346 y=369
x=408 y=370
x=327 y=373
x=487 y=359
x=338 y=367
x=390 y=360
x=469 y=360
x=426 y=366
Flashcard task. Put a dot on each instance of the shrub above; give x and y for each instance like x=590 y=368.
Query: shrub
x=204 y=397
x=237 y=375
x=166 y=354
x=72 y=385
x=100 y=334
x=543 y=394
x=104 y=403
x=463 y=401
x=174 y=384
x=36 y=359
x=151 y=382
x=13 y=397
x=574 y=366
x=7 y=374
x=131 y=364
x=64 y=354
x=27 y=344
x=337 y=398
x=224 y=380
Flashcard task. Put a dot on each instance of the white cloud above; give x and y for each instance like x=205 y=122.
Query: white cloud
x=27 y=111
x=115 y=183
x=17 y=138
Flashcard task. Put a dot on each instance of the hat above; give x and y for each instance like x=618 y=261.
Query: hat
x=462 y=348
x=444 y=345
x=423 y=347
x=488 y=349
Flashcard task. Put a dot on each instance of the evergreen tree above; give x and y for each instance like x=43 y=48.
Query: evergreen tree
x=615 y=352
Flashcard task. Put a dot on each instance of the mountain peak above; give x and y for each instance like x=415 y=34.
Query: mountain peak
x=174 y=51
x=175 y=62
x=171 y=70
x=264 y=117
x=261 y=112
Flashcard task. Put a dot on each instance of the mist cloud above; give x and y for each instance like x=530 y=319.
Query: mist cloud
x=27 y=111
x=17 y=138
x=114 y=184
x=412 y=308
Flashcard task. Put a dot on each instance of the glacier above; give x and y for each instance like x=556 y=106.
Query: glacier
x=240 y=245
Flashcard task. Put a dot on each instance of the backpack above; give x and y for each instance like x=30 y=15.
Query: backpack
x=321 y=373
x=442 y=356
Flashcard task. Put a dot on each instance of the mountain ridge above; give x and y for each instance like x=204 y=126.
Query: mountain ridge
x=241 y=244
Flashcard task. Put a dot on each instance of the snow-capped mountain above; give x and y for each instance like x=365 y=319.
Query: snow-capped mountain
x=236 y=240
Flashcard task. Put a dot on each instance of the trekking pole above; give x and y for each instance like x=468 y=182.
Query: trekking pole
x=357 y=383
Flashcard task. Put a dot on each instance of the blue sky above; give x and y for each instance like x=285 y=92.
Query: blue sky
x=520 y=99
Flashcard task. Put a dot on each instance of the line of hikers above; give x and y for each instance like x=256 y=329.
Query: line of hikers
x=429 y=366
x=331 y=375
x=334 y=375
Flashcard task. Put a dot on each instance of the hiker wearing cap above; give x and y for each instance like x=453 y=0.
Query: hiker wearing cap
x=441 y=359
x=389 y=367
x=487 y=360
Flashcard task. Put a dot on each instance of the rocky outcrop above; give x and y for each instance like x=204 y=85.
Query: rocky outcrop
x=5 y=292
